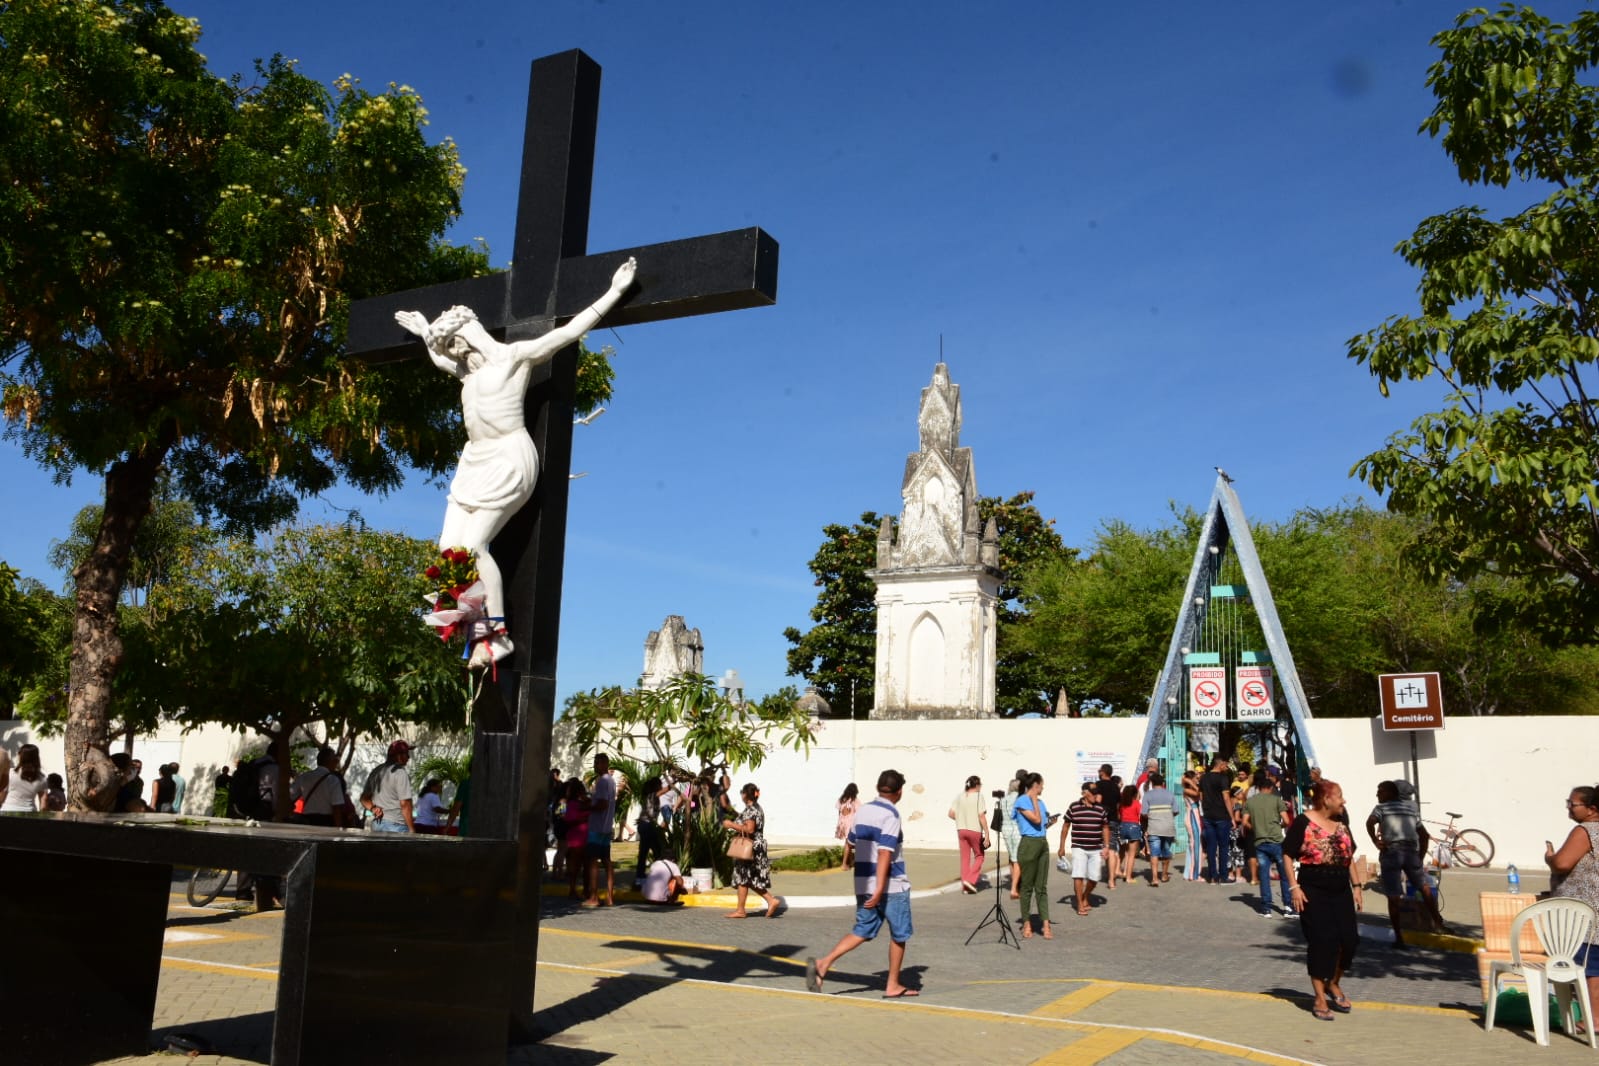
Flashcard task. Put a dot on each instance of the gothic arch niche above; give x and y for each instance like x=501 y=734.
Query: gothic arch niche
x=925 y=670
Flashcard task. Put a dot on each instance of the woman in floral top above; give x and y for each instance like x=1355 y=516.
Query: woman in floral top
x=1324 y=892
x=755 y=872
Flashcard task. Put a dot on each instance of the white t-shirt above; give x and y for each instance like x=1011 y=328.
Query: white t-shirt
x=602 y=818
x=23 y=795
x=394 y=788
x=321 y=796
x=427 y=809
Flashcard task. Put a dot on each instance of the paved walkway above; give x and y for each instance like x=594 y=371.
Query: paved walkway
x=1177 y=974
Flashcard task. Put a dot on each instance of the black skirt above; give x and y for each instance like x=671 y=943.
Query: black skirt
x=1328 y=920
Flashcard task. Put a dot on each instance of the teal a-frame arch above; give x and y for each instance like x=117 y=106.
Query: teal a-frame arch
x=1225 y=528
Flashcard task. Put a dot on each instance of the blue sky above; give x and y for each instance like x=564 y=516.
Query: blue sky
x=1141 y=232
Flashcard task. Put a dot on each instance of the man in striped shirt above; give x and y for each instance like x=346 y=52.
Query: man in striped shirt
x=882 y=891
x=1088 y=828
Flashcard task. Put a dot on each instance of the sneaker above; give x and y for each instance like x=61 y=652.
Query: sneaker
x=1269 y=912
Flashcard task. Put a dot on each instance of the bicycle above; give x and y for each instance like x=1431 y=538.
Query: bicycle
x=1465 y=847
x=206 y=884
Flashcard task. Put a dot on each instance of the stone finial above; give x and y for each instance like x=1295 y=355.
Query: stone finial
x=990 y=550
x=813 y=704
x=885 y=541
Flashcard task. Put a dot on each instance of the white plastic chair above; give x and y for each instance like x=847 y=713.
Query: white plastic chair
x=1563 y=926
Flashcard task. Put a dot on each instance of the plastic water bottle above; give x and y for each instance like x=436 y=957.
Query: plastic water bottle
x=1514 y=880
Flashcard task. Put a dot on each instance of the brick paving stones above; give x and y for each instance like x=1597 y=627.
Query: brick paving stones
x=1179 y=974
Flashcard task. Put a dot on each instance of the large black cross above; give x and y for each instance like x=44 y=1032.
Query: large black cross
x=551 y=279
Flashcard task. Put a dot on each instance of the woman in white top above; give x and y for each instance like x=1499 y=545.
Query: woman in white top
x=27 y=789
x=429 y=807
x=971 y=831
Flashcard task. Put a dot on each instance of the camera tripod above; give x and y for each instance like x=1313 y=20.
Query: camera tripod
x=996 y=914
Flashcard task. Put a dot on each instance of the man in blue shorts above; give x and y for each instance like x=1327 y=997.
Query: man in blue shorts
x=882 y=891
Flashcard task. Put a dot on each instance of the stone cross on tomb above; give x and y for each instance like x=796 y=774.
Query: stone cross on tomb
x=551 y=280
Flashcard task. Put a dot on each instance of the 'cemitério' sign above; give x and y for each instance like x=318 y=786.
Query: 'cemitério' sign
x=1411 y=701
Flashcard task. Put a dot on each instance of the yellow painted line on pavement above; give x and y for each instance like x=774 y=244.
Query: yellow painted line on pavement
x=1072 y=1002
x=1091 y=1049
x=224 y=968
x=1126 y=1035
x=1225 y=993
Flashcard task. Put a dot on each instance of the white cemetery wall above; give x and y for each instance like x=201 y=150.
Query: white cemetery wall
x=1509 y=776
x=200 y=754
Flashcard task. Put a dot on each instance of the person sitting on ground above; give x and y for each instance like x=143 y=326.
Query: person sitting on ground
x=662 y=882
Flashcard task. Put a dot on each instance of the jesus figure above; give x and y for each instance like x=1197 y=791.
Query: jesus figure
x=499 y=465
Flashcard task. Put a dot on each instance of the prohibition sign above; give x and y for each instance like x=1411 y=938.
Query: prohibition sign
x=1207 y=694
x=1255 y=694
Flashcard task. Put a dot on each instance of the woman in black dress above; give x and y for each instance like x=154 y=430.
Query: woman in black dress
x=1324 y=892
x=754 y=872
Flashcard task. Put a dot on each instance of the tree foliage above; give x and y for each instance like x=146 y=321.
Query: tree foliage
x=1350 y=605
x=31 y=624
x=1024 y=681
x=688 y=725
x=842 y=646
x=178 y=252
x=1505 y=475
x=838 y=655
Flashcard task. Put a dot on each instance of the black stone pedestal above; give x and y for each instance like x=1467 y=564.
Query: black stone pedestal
x=394 y=947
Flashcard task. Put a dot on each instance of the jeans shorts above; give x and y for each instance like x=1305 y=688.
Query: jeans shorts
x=1397 y=863
x=383 y=826
x=895 y=909
x=1160 y=847
x=1132 y=833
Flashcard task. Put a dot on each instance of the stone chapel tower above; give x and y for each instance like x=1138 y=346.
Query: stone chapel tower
x=938 y=584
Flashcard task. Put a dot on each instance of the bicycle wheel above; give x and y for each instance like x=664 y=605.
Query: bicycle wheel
x=1473 y=848
x=206 y=884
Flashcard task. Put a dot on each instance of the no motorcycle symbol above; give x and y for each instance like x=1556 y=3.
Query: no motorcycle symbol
x=1207 y=694
x=1255 y=694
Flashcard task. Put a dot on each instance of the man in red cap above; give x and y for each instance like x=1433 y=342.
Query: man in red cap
x=388 y=792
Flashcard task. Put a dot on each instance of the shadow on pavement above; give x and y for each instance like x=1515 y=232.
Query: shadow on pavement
x=244 y=1036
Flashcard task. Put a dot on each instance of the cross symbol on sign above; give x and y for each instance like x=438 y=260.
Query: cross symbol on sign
x=1413 y=694
x=1207 y=693
x=1255 y=694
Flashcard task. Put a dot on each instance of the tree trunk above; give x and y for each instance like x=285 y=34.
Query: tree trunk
x=92 y=780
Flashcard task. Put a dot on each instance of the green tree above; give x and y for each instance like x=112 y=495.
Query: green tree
x=1350 y=606
x=315 y=631
x=164 y=548
x=1102 y=622
x=178 y=252
x=1024 y=682
x=838 y=654
x=30 y=623
x=689 y=726
x=1505 y=474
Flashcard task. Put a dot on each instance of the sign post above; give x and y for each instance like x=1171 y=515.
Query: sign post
x=1411 y=703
